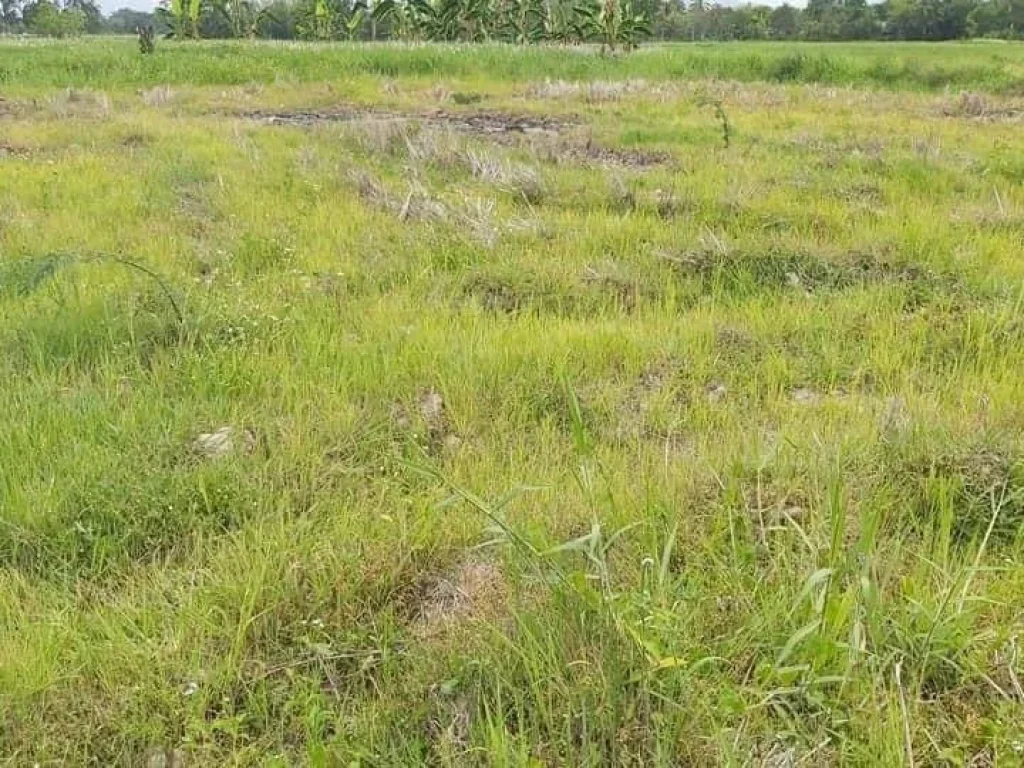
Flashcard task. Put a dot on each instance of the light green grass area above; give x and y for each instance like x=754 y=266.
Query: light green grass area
x=115 y=63
x=391 y=406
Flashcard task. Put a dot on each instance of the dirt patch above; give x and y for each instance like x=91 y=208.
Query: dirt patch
x=134 y=141
x=636 y=414
x=429 y=423
x=715 y=391
x=513 y=291
x=609 y=287
x=307 y=118
x=616 y=281
x=633 y=158
x=625 y=157
x=471 y=591
x=499 y=122
x=8 y=108
x=565 y=145
x=13 y=150
x=547 y=137
x=483 y=122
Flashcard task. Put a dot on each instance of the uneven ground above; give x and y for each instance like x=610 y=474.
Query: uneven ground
x=509 y=416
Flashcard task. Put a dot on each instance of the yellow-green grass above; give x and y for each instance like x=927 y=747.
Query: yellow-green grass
x=599 y=444
x=113 y=62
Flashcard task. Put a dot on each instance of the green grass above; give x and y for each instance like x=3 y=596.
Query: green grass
x=544 y=451
x=116 y=63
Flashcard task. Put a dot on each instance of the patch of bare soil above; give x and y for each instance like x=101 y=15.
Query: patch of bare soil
x=628 y=157
x=574 y=146
x=498 y=122
x=633 y=420
x=590 y=153
x=429 y=423
x=305 y=118
x=563 y=148
x=546 y=135
x=486 y=123
x=134 y=141
x=13 y=150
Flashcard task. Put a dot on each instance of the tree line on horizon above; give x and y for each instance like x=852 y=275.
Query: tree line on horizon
x=611 y=22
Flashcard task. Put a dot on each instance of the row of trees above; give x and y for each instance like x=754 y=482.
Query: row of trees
x=847 y=20
x=45 y=17
x=611 y=22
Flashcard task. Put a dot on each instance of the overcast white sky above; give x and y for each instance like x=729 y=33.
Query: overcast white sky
x=140 y=5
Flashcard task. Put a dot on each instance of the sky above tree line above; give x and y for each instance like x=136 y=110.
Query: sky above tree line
x=109 y=6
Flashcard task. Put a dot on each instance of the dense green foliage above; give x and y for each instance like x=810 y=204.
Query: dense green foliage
x=848 y=20
x=51 y=20
x=526 y=21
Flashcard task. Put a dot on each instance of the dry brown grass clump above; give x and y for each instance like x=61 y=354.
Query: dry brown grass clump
x=416 y=204
x=515 y=178
x=472 y=591
x=157 y=96
x=596 y=91
x=74 y=102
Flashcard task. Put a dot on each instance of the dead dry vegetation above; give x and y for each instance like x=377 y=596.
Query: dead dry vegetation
x=550 y=139
x=978 y=106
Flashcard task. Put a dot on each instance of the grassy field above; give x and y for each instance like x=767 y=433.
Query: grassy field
x=386 y=406
x=30 y=64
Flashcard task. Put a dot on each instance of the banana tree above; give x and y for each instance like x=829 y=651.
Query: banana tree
x=523 y=21
x=354 y=22
x=242 y=17
x=562 y=24
x=182 y=16
x=329 y=19
x=475 y=18
x=436 y=20
x=613 y=23
x=398 y=17
x=633 y=25
x=323 y=20
x=448 y=20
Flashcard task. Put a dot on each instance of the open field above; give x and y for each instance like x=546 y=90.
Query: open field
x=398 y=405
x=26 y=65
